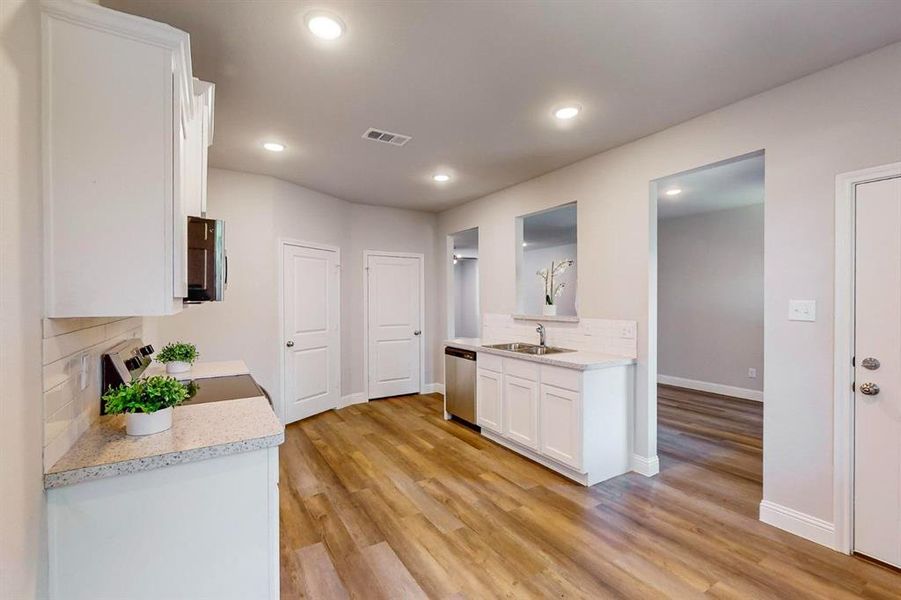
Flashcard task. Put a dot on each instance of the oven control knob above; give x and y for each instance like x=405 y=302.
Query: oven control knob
x=146 y=350
x=133 y=363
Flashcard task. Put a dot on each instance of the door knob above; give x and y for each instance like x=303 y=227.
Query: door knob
x=869 y=389
x=870 y=363
x=417 y=332
x=290 y=344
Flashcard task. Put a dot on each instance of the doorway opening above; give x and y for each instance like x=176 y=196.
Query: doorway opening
x=709 y=321
x=464 y=320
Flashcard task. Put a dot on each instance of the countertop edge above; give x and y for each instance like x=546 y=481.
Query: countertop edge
x=588 y=366
x=150 y=463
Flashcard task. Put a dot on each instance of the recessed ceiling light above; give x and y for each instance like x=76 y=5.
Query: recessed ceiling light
x=524 y=244
x=567 y=112
x=441 y=177
x=325 y=26
x=274 y=146
x=673 y=191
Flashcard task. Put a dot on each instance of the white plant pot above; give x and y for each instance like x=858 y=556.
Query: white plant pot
x=177 y=366
x=550 y=310
x=148 y=423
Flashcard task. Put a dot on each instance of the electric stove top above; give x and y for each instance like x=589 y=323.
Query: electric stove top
x=216 y=389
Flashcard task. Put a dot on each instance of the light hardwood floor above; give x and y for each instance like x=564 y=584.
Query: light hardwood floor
x=387 y=500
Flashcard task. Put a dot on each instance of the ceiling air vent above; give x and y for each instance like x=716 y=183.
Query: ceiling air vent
x=386 y=137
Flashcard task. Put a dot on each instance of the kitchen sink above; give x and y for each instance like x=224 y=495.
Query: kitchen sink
x=514 y=347
x=532 y=349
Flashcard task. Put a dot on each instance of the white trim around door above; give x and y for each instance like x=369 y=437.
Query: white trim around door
x=282 y=243
x=843 y=409
x=425 y=333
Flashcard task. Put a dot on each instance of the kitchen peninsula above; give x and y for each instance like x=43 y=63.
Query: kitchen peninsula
x=196 y=505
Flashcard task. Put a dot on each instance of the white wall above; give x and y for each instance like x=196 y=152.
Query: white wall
x=23 y=564
x=532 y=286
x=837 y=120
x=258 y=211
x=466 y=299
x=710 y=297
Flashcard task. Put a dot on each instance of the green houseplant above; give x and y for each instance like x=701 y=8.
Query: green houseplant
x=178 y=356
x=147 y=403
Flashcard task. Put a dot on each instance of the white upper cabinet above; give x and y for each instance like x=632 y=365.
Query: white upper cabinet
x=197 y=141
x=124 y=161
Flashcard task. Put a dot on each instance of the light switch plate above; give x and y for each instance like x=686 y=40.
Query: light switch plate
x=802 y=310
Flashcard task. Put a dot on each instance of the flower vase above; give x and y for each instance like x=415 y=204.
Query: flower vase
x=148 y=423
x=550 y=310
x=177 y=366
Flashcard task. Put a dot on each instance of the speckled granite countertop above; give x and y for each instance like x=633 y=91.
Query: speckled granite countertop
x=581 y=361
x=199 y=432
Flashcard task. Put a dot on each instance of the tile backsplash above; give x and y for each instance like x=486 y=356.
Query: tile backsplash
x=607 y=336
x=68 y=409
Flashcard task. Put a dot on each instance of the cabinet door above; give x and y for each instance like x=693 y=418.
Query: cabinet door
x=489 y=406
x=561 y=425
x=521 y=411
x=195 y=154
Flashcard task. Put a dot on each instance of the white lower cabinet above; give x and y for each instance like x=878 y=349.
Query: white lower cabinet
x=575 y=422
x=205 y=529
x=488 y=401
x=520 y=400
x=561 y=425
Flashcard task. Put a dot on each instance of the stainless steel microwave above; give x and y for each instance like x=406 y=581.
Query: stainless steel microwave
x=207 y=260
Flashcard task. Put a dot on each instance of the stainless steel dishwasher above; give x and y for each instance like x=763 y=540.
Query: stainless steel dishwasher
x=460 y=383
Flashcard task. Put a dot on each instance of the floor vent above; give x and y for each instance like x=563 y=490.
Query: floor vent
x=386 y=137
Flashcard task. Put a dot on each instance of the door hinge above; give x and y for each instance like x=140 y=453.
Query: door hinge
x=853 y=360
x=853 y=386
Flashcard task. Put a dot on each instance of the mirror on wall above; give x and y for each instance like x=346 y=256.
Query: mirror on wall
x=546 y=266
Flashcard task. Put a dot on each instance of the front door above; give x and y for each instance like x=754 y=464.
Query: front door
x=877 y=372
x=311 y=336
x=394 y=291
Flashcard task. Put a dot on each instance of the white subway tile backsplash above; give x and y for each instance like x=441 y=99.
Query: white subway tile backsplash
x=606 y=336
x=69 y=410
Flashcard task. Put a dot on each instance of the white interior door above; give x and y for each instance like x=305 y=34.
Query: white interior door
x=394 y=295
x=312 y=334
x=877 y=372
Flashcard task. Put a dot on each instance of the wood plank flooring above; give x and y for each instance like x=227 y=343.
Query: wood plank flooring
x=388 y=500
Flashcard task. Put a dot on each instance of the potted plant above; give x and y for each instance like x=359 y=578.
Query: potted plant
x=551 y=289
x=147 y=403
x=178 y=357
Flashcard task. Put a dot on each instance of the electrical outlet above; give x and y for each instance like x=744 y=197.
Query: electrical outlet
x=83 y=373
x=627 y=331
x=752 y=373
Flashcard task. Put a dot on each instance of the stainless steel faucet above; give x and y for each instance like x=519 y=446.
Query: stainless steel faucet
x=541 y=334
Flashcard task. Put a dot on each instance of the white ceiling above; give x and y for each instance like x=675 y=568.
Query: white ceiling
x=729 y=184
x=474 y=82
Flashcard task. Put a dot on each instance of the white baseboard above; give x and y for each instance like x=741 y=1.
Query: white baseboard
x=803 y=525
x=645 y=466
x=713 y=388
x=358 y=398
x=431 y=388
